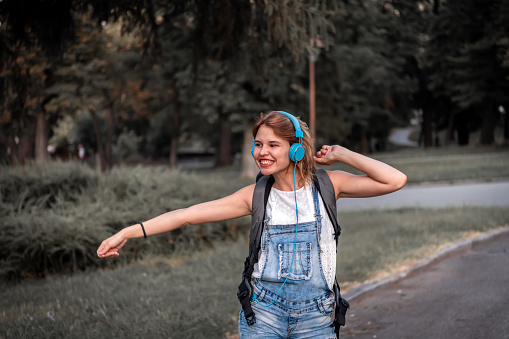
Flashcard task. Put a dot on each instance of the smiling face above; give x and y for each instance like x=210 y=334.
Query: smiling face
x=271 y=151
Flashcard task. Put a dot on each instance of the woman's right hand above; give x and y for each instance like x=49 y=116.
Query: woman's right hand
x=109 y=247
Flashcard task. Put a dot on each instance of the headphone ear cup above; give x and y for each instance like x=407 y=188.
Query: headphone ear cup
x=296 y=152
x=252 y=148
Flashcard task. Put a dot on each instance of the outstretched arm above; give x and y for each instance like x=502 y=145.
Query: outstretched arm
x=380 y=178
x=233 y=206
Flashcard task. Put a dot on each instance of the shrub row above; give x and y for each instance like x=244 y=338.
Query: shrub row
x=54 y=216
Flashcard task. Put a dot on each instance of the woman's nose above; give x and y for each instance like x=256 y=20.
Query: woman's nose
x=264 y=150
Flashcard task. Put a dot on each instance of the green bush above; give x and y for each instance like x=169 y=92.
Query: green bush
x=55 y=216
x=40 y=186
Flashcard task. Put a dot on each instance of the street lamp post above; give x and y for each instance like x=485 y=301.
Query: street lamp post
x=312 y=113
x=313 y=55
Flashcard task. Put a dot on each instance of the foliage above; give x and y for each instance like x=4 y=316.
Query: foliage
x=362 y=82
x=223 y=62
x=54 y=216
x=83 y=130
x=128 y=144
x=465 y=60
x=42 y=187
x=467 y=52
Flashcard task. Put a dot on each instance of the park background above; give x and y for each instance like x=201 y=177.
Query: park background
x=162 y=95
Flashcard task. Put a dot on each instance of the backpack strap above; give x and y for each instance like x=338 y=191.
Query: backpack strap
x=326 y=189
x=340 y=309
x=245 y=291
x=261 y=193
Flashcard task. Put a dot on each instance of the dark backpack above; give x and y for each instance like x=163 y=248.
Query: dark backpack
x=260 y=197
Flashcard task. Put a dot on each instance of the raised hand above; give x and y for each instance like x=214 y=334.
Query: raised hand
x=328 y=155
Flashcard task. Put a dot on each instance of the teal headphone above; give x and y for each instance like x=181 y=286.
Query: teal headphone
x=297 y=151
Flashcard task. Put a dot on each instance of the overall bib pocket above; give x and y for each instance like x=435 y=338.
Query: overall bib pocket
x=301 y=268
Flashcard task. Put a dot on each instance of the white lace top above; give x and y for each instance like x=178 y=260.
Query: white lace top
x=281 y=211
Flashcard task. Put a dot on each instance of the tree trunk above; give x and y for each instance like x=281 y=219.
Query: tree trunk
x=25 y=150
x=506 y=123
x=101 y=157
x=41 y=138
x=462 y=128
x=364 y=142
x=13 y=148
x=224 y=157
x=426 y=128
x=176 y=127
x=488 y=123
x=249 y=167
x=450 y=130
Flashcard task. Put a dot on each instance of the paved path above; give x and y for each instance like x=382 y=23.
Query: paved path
x=401 y=136
x=483 y=194
x=464 y=295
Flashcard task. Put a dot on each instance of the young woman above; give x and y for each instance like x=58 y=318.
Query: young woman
x=294 y=276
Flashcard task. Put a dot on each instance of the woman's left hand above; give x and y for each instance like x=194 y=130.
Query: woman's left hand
x=328 y=155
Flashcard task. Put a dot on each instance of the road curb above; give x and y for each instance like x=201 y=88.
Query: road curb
x=459 y=246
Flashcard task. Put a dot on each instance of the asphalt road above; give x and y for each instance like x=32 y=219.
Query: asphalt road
x=464 y=295
x=480 y=194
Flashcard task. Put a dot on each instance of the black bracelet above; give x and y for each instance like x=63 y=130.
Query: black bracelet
x=143 y=228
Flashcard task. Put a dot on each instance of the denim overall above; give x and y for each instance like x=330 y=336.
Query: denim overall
x=303 y=308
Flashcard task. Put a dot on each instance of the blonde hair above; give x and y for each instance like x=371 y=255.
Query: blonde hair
x=283 y=127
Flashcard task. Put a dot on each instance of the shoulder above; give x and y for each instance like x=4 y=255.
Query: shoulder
x=337 y=175
x=338 y=178
x=245 y=195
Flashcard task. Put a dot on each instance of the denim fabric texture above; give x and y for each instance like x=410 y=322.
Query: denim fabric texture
x=304 y=306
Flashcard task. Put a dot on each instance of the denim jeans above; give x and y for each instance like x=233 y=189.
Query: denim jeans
x=303 y=307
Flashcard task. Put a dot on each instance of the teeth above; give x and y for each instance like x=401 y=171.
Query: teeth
x=266 y=162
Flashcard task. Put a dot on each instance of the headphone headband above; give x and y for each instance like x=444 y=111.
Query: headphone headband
x=298 y=132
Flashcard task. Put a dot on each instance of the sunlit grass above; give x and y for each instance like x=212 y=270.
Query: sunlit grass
x=422 y=166
x=194 y=295
x=375 y=244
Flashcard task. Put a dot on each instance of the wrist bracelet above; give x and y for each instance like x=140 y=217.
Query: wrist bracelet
x=143 y=228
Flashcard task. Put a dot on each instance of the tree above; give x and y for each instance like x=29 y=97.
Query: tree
x=217 y=28
x=466 y=62
x=26 y=70
x=363 y=87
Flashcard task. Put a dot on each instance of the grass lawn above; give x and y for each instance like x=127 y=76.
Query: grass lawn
x=194 y=295
x=443 y=165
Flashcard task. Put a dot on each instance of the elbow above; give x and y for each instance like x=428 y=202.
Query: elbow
x=400 y=182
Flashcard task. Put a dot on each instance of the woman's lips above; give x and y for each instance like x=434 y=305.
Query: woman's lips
x=266 y=163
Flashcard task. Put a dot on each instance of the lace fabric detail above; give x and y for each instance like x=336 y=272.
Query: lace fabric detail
x=281 y=211
x=327 y=248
